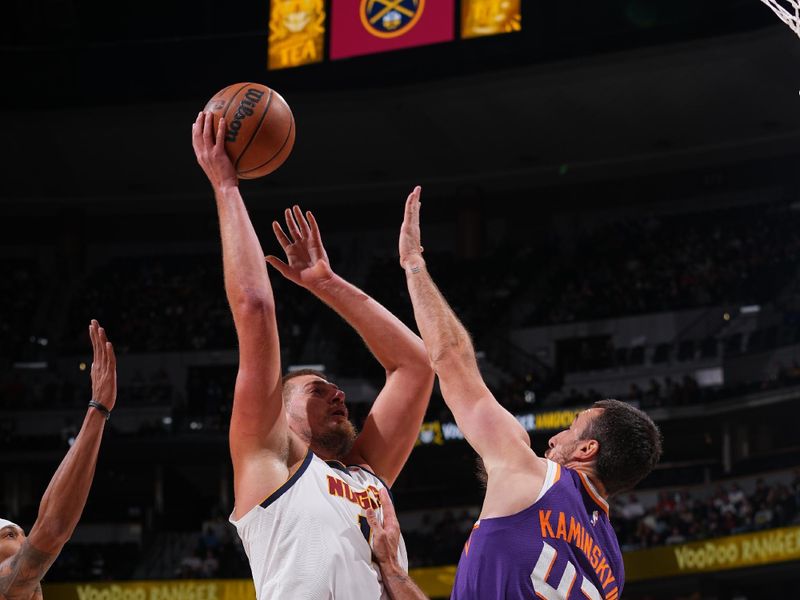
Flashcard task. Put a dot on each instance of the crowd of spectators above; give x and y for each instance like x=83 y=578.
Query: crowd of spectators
x=172 y=303
x=582 y=355
x=685 y=391
x=21 y=287
x=682 y=516
x=216 y=553
x=48 y=388
x=155 y=304
x=743 y=255
x=177 y=302
x=95 y=562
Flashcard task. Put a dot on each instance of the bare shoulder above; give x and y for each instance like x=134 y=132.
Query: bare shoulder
x=21 y=574
x=263 y=473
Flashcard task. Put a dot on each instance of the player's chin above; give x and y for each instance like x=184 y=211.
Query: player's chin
x=345 y=427
x=337 y=438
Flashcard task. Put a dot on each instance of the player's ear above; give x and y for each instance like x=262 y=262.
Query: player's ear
x=587 y=450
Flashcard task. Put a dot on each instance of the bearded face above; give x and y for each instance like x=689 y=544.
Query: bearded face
x=337 y=440
x=317 y=413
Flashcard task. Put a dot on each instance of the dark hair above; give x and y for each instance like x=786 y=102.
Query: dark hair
x=630 y=445
x=285 y=385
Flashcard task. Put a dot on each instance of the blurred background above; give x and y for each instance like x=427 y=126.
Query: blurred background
x=611 y=204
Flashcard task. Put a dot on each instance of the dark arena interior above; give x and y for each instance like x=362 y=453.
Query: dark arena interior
x=611 y=197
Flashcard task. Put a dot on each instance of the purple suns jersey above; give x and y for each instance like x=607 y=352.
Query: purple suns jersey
x=562 y=547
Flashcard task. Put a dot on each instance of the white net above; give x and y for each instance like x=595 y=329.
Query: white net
x=788 y=11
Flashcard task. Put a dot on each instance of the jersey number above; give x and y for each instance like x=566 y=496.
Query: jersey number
x=366 y=530
x=547 y=592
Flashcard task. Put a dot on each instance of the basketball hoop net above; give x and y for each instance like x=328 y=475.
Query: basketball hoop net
x=788 y=11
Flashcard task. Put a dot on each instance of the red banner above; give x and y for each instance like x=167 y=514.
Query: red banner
x=369 y=26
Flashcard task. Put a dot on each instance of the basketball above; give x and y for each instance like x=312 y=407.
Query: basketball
x=259 y=132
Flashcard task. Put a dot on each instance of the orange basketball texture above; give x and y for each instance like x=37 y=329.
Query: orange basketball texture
x=259 y=127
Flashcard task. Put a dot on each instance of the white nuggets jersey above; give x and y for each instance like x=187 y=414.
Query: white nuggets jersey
x=310 y=539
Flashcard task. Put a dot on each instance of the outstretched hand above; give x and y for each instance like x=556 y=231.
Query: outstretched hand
x=410 y=242
x=104 y=367
x=210 y=151
x=307 y=262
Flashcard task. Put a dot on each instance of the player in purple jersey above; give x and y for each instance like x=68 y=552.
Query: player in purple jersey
x=544 y=529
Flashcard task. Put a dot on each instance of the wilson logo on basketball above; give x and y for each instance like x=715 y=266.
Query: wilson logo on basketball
x=246 y=106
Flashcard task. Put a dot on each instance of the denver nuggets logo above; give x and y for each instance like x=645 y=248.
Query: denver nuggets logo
x=390 y=18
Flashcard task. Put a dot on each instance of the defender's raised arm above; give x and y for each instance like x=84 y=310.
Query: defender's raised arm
x=62 y=504
x=489 y=428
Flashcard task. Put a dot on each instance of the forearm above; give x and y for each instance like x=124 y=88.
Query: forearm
x=443 y=334
x=246 y=280
x=392 y=343
x=399 y=584
x=65 y=497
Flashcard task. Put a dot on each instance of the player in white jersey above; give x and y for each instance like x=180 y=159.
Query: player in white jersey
x=303 y=480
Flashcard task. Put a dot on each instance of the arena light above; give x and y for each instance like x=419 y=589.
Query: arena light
x=750 y=309
x=711 y=377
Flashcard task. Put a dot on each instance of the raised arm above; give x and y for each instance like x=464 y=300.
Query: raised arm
x=392 y=427
x=259 y=431
x=65 y=497
x=490 y=429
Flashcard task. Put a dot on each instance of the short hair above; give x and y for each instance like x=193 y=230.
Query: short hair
x=630 y=445
x=286 y=379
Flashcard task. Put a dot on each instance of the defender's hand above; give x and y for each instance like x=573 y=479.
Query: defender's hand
x=104 y=367
x=386 y=535
x=210 y=152
x=308 y=265
x=410 y=244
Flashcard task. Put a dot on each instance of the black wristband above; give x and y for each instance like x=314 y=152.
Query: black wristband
x=101 y=408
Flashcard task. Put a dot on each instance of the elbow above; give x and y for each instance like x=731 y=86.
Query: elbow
x=252 y=302
x=422 y=363
x=421 y=370
x=451 y=355
x=452 y=349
